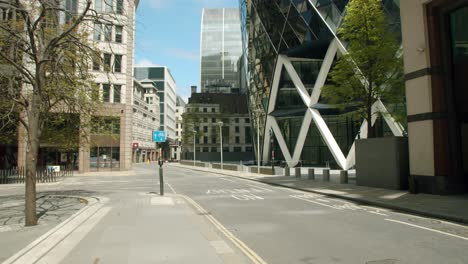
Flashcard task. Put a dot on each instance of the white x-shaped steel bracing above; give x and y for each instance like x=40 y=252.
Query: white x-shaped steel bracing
x=313 y=114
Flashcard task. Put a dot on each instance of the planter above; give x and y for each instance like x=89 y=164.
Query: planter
x=382 y=162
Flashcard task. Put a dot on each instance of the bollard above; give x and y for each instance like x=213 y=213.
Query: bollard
x=343 y=177
x=311 y=175
x=326 y=174
x=161 y=179
x=286 y=171
x=298 y=172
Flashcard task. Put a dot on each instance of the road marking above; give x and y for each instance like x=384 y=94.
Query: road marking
x=256 y=259
x=425 y=228
x=172 y=189
x=250 y=185
x=315 y=202
x=377 y=213
x=323 y=200
x=246 y=197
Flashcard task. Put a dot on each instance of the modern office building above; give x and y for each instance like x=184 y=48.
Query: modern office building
x=166 y=86
x=145 y=120
x=204 y=111
x=176 y=147
x=290 y=47
x=109 y=144
x=435 y=42
x=220 y=50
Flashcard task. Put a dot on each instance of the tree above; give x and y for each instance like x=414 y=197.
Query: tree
x=46 y=56
x=372 y=69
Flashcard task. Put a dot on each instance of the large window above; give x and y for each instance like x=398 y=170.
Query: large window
x=118 y=63
x=107 y=32
x=118 y=34
x=97 y=31
x=119 y=6
x=106 y=92
x=117 y=93
x=107 y=61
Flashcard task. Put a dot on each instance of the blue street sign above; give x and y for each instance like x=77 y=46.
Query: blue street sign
x=159 y=136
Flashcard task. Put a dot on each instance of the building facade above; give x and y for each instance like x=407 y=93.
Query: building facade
x=290 y=48
x=146 y=119
x=204 y=112
x=177 y=146
x=220 y=50
x=166 y=86
x=435 y=42
x=108 y=145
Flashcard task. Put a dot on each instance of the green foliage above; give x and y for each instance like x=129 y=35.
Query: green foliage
x=372 y=69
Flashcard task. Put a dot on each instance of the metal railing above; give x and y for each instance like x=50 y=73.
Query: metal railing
x=43 y=174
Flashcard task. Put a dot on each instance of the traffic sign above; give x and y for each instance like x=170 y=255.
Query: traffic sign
x=159 y=136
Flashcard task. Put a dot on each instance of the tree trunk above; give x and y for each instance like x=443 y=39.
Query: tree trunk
x=31 y=160
x=370 y=128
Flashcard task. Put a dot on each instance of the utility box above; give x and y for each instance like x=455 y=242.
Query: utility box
x=382 y=162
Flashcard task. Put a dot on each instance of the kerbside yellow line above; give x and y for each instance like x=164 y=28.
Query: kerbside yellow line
x=241 y=245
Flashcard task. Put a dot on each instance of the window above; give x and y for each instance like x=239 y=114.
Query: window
x=107 y=61
x=237 y=149
x=206 y=149
x=105 y=92
x=247 y=120
x=119 y=6
x=237 y=129
x=118 y=34
x=108 y=32
x=213 y=120
x=213 y=110
x=213 y=140
x=118 y=63
x=248 y=149
x=72 y=7
x=225 y=149
x=205 y=110
x=205 y=129
x=117 y=93
x=177 y=133
x=205 y=140
x=98 y=5
x=96 y=64
x=214 y=149
x=177 y=126
x=108 y=4
x=237 y=140
x=236 y=120
x=97 y=31
x=205 y=120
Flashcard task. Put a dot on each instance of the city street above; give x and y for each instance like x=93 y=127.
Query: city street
x=210 y=218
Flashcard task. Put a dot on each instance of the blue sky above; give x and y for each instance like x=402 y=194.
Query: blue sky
x=168 y=34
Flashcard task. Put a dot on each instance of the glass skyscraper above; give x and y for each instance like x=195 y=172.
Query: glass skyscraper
x=290 y=47
x=220 y=50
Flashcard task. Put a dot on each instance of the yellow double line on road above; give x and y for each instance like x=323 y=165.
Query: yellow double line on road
x=241 y=245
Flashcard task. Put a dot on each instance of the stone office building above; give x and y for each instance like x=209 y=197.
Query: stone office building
x=204 y=111
x=145 y=120
x=435 y=42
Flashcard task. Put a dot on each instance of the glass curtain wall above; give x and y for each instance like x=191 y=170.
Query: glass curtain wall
x=221 y=49
x=302 y=30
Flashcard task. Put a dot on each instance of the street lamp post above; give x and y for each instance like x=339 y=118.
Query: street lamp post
x=194 y=152
x=220 y=124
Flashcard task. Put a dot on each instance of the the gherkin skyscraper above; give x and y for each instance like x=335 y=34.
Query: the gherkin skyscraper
x=290 y=46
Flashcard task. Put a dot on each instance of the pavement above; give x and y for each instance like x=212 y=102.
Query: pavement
x=114 y=217
x=444 y=207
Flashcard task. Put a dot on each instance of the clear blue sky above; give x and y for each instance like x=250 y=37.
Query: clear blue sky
x=168 y=34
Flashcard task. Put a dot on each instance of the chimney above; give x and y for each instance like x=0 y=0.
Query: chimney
x=194 y=89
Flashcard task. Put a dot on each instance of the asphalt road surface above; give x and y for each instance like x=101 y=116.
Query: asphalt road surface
x=278 y=225
x=287 y=226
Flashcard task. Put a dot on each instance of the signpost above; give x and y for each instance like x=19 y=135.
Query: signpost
x=160 y=136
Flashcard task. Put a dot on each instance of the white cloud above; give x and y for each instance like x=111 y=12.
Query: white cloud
x=145 y=63
x=184 y=54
